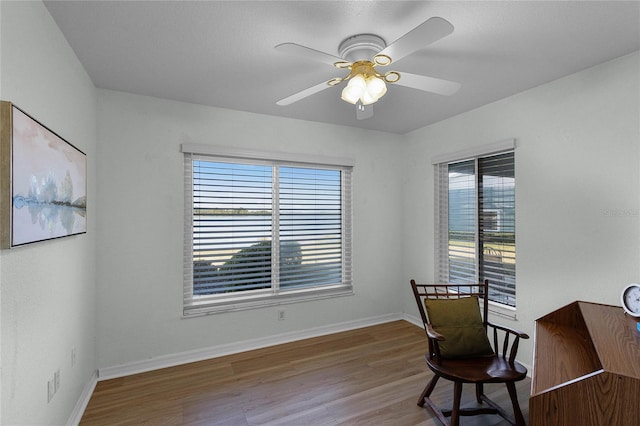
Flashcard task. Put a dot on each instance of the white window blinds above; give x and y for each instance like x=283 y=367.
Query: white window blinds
x=475 y=223
x=264 y=232
x=232 y=229
x=311 y=223
x=497 y=226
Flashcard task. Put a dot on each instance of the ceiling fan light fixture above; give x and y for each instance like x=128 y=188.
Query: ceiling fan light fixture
x=367 y=90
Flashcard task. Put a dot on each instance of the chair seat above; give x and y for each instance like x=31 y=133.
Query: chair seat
x=495 y=369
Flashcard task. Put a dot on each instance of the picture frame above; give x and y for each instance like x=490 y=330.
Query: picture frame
x=43 y=182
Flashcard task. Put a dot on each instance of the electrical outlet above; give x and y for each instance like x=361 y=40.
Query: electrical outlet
x=281 y=315
x=73 y=356
x=56 y=381
x=50 y=390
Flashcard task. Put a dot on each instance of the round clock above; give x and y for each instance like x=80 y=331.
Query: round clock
x=631 y=299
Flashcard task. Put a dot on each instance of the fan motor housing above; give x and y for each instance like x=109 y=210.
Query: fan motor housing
x=361 y=47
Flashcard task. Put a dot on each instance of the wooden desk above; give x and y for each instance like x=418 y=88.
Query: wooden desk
x=586 y=368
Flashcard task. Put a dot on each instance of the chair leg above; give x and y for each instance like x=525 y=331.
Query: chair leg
x=427 y=390
x=517 y=413
x=457 y=395
x=479 y=392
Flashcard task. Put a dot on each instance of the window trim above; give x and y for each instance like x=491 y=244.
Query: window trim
x=441 y=204
x=265 y=298
x=476 y=151
x=266 y=156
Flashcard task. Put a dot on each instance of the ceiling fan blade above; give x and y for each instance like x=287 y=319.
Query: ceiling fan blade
x=430 y=31
x=303 y=94
x=428 y=84
x=308 y=53
x=363 y=111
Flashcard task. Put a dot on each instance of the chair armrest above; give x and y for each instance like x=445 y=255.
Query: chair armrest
x=505 y=342
x=434 y=347
x=510 y=330
x=432 y=334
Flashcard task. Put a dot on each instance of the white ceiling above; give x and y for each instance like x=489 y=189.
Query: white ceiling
x=221 y=53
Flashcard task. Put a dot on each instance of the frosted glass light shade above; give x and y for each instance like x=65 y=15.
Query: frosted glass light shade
x=354 y=90
x=351 y=94
x=376 y=87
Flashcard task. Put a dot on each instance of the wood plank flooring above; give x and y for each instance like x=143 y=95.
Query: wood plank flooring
x=368 y=376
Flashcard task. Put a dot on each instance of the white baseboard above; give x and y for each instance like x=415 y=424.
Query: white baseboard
x=83 y=401
x=172 y=360
x=412 y=319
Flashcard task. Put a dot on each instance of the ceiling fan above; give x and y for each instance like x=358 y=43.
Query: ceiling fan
x=362 y=53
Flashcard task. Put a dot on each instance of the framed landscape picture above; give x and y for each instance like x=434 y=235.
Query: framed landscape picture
x=43 y=182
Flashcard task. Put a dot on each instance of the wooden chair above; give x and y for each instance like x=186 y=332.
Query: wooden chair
x=471 y=358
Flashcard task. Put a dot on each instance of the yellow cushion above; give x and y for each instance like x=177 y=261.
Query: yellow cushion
x=460 y=322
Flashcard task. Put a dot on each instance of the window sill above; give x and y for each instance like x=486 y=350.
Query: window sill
x=211 y=306
x=502 y=310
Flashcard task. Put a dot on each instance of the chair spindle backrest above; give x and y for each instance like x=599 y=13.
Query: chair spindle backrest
x=451 y=291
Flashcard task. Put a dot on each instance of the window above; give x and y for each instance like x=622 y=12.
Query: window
x=475 y=221
x=263 y=231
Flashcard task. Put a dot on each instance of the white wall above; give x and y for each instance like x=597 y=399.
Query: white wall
x=577 y=187
x=47 y=289
x=140 y=190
